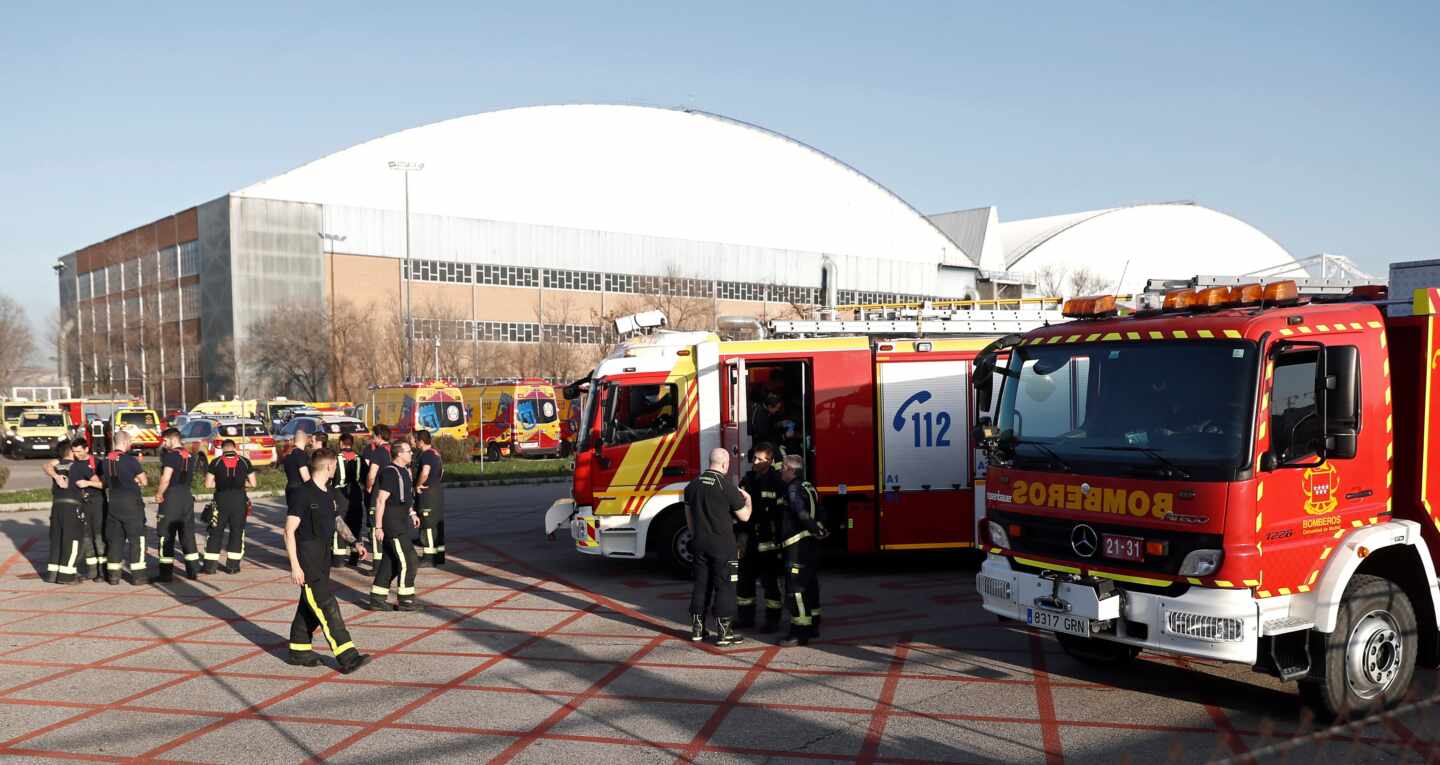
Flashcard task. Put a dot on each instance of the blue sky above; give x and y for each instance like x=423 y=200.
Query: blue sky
x=1315 y=122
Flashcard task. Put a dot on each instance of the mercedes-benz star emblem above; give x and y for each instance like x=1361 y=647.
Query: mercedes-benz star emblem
x=1084 y=541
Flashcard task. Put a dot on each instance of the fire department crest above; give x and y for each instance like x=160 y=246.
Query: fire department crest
x=1319 y=485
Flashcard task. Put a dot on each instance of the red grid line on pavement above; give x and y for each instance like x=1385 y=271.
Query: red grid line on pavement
x=1045 y=704
x=881 y=715
x=354 y=738
x=693 y=749
x=574 y=703
x=18 y=555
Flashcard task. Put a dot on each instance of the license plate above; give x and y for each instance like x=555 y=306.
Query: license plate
x=1123 y=548
x=1057 y=622
x=39 y=446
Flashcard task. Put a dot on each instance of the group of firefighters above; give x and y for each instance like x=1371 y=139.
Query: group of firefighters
x=98 y=526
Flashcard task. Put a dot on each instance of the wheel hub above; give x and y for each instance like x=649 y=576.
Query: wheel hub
x=1373 y=654
x=682 y=546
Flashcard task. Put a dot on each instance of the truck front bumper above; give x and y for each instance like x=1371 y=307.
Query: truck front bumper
x=612 y=536
x=1202 y=622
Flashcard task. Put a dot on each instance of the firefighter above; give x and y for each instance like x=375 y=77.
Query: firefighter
x=85 y=469
x=712 y=505
x=67 y=528
x=395 y=517
x=430 y=500
x=297 y=465
x=376 y=458
x=125 y=524
x=349 y=500
x=175 y=520
x=310 y=524
x=230 y=475
x=800 y=535
x=756 y=543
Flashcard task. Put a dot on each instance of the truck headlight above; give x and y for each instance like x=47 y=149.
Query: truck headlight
x=1201 y=562
x=998 y=537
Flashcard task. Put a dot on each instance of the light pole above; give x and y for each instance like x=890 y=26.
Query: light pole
x=407 y=168
x=437 y=355
x=331 y=240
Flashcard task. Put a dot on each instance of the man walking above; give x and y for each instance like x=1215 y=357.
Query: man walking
x=310 y=522
x=175 y=519
x=395 y=518
x=712 y=505
x=230 y=475
x=430 y=501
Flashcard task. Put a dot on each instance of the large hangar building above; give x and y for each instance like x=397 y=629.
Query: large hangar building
x=587 y=204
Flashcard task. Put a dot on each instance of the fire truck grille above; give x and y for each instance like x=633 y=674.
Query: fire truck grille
x=1051 y=538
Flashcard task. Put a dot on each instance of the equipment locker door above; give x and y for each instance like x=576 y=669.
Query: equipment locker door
x=734 y=426
x=923 y=420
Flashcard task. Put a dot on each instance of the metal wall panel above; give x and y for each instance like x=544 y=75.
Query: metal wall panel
x=217 y=314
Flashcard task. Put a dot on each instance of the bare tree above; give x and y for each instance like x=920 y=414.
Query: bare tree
x=18 y=342
x=1084 y=281
x=1050 y=279
x=288 y=360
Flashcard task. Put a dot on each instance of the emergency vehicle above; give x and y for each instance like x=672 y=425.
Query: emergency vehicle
x=1235 y=472
x=142 y=424
x=206 y=436
x=517 y=417
x=883 y=424
x=570 y=411
x=433 y=405
x=90 y=417
x=10 y=412
x=41 y=433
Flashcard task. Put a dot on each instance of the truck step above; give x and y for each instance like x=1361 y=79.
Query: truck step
x=1288 y=624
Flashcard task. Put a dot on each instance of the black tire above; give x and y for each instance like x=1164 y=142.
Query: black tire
x=566 y=449
x=492 y=452
x=1097 y=652
x=1367 y=663
x=669 y=540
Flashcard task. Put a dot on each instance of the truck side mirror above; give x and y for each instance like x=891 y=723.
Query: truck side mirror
x=1342 y=401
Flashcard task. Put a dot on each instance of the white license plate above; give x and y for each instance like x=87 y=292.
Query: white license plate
x=39 y=447
x=1057 y=622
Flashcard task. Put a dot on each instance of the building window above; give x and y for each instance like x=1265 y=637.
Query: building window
x=507 y=276
x=169 y=264
x=132 y=273
x=740 y=291
x=563 y=279
x=575 y=334
x=82 y=287
x=190 y=303
x=438 y=271
x=113 y=282
x=793 y=295
x=190 y=258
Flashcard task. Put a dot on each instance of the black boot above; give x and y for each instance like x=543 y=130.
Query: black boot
x=351 y=660
x=815 y=627
x=697 y=627
x=425 y=561
x=192 y=570
x=166 y=573
x=140 y=578
x=409 y=604
x=728 y=636
x=799 y=635
x=746 y=617
x=50 y=577
x=112 y=577
x=208 y=568
x=302 y=659
x=376 y=603
x=438 y=559
x=232 y=567
x=772 y=621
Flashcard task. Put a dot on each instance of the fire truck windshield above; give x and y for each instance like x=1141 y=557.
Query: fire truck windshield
x=1178 y=410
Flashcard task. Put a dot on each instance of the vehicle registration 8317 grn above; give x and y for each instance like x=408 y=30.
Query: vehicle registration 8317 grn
x=1057 y=622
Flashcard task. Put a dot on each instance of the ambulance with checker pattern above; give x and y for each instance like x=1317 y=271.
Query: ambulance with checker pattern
x=1236 y=472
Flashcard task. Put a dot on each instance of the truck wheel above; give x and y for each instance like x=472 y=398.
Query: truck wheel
x=566 y=449
x=670 y=540
x=492 y=452
x=1097 y=652
x=1369 y=660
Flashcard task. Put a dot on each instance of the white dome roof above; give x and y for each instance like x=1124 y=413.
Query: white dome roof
x=1129 y=245
x=640 y=170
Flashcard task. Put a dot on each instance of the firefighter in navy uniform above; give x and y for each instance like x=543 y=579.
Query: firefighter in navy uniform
x=175 y=519
x=230 y=475
x=310 y=525
x=800 y=535
x=297 y=464
x=125 y=524
x=85 y=473
x=396 y=518
x=756 y=542
x=713 y=503
x=67 y=527
x=376 y=458
x=349 y=501
x=430 y=501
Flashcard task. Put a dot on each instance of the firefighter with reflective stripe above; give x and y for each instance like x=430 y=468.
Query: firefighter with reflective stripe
x=349 y=500
x=395 y=517
x=430 y=501
x=67 y=528
x=85 y=472
x=713 y=503
x=755 y=540
x=297 y=464
x=310 y=523
x=125 y=526
x=175 y=520
x=800 y=535
x=230 y=475
x=376 y=458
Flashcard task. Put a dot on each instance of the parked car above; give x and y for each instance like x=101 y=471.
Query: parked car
x=204 y=436
x=332 y=426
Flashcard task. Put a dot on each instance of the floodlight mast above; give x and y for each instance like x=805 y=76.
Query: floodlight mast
x=407 y=168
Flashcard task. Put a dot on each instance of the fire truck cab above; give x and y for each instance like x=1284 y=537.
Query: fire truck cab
x=1236 y=472
x=883 y=425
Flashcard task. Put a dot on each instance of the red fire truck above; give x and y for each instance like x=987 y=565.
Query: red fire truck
x=1236 y=472
x=884 y=425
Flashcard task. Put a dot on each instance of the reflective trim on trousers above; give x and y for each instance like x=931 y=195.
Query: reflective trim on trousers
x=69 y=568
x=139 y=564
x=801 y=618
x=792 y=539
x=400 y=588
x=429 y=548
x=773 y=605
x=324 y=625
x=301 y=648
x=215 y=556
x=376 y=589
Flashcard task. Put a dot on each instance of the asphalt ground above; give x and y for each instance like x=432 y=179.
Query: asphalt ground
x=25 y=474
x=529 y=652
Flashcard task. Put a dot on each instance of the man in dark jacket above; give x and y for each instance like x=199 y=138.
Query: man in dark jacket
x=712 y=505
x=800 y=535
